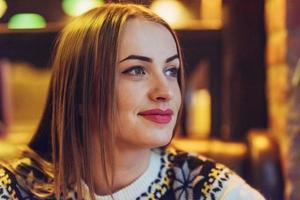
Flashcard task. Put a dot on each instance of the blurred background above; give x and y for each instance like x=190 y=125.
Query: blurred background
x=242 y=75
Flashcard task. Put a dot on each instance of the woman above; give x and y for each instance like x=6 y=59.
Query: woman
x=114 y=100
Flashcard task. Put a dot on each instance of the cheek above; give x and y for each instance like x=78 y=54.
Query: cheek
x=129 y=96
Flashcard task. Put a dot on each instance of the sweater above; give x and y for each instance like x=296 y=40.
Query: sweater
x=171 y=174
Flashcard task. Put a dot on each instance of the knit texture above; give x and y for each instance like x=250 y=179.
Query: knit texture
x=170 y=175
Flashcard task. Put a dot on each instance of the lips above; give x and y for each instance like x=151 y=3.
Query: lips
x=157 y=115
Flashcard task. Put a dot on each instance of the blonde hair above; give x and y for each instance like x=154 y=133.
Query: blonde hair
x=82 y=99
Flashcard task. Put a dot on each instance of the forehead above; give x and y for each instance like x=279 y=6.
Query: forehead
x=143 y=37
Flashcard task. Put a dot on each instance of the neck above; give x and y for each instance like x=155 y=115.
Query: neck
x=129 y=165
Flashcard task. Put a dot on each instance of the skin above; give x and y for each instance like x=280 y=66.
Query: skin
x=143 y=84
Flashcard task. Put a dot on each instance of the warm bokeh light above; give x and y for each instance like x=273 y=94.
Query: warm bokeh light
x=261 y=142
x=28 y=92
x=3 y=7
x=200 y=114
x=172 y=11
x=210 y=146
x=26 y=21
x=77 y=7
x=211 y=12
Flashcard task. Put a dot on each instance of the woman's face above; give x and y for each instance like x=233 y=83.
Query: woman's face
x=148 y=92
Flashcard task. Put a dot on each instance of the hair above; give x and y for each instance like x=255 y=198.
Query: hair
x=82 y=95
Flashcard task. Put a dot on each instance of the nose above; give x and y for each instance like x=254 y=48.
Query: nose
x=161 y=90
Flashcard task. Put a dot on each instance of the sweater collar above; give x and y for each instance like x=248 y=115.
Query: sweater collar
x=137 y=187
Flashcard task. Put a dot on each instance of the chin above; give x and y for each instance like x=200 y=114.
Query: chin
x=161 y=139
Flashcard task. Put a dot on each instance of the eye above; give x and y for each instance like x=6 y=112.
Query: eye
x=135 y=71
x=172 y=72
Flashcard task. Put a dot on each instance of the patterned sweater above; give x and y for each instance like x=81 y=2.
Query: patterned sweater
x=170 y=175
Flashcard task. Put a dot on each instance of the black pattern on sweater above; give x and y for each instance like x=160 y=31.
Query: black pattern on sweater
x=182 y=176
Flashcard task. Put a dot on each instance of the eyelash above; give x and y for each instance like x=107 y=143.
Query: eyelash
x=140 y=71
x=135 y=71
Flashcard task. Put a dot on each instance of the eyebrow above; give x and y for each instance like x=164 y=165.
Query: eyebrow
x=172 y=58
x=147 y=59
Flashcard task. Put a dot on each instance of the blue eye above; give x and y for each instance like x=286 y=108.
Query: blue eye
x=173 y=72
x=135 y=71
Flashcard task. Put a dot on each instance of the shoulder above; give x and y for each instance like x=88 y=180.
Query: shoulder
x=197 y=177
x=8 y=184
x=25 y=177
x=28 y=177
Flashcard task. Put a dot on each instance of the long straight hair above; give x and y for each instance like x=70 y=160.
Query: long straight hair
x=82 y=100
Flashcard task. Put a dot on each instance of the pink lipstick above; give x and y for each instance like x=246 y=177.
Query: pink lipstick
x=157 y=115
